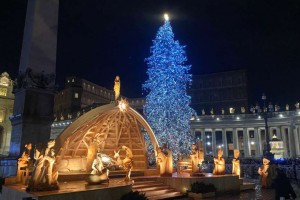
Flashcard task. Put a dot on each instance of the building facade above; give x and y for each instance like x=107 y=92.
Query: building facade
x=77 y=94
x=246 y=132
x=215 y=92
x=229 y=131
x=80 y=95
x=6 y=110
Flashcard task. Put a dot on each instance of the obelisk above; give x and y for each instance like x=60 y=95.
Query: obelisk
x=35 y=85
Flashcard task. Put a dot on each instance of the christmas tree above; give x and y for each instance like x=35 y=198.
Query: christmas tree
x=167 y=107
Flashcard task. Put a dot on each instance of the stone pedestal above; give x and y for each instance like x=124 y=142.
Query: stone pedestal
x=32 y=119
x=75 y=190
x=224 y=183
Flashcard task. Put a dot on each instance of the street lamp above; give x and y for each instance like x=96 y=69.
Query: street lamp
x=265 y=113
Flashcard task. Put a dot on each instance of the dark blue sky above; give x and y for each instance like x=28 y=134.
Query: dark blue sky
x=98 y=40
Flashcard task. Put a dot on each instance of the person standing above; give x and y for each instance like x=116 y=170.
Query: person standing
x=283 y=187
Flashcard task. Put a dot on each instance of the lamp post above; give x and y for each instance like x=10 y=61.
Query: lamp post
x=266 y=112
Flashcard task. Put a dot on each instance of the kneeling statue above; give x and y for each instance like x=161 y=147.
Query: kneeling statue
x=99 y=173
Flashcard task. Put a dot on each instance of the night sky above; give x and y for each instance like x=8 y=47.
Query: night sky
x=98 y=40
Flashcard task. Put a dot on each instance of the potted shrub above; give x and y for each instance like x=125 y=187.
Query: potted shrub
x=136 y=195
x=200 y=190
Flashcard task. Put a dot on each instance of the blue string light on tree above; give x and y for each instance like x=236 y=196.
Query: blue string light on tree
x=167 y=104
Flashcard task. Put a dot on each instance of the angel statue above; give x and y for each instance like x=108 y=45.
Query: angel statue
x=117 y=87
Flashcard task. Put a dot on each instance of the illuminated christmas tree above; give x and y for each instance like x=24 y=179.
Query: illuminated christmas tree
x=167 y=107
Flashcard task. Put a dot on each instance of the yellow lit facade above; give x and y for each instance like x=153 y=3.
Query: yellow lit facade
x=6 y=110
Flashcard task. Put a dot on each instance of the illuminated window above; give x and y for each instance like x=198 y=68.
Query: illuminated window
x=76 y=95
x=2 y=115
x=3 y=91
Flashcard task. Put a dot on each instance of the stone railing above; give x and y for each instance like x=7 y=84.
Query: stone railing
x=246 y=116
x=8 y=167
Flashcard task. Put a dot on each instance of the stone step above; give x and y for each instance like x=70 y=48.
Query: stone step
x=247 y=186
x=154 y=189
x=146 y=189
x=138 y=180
x=146 y=185
x=160 y=192
x=166 y=196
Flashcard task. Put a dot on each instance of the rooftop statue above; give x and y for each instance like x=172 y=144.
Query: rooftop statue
x=5 y=79
x=117 y=87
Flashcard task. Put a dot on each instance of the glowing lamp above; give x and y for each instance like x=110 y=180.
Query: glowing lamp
x=105 y=159
x=123 y=105
x=166 y=16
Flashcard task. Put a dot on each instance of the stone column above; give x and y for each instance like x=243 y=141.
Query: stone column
x=257 y=142
x=203 y=140
x=283 y=136
x=193 y=133
x=296 y=141
x=35 y=86
x=279 y=135
x=271 y=129
x=224 y=142
x=291 y=141
x=235 y=139
x=246 y=142
x=213 y=141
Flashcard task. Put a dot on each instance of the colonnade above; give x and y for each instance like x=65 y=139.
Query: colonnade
x=247 y=134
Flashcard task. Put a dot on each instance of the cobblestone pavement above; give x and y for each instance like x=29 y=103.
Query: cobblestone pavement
x=257 y=194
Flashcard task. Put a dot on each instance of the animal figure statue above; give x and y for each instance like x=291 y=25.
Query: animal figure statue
x=126 y=163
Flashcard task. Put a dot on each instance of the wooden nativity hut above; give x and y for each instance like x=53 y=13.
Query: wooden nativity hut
x=104 y=129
